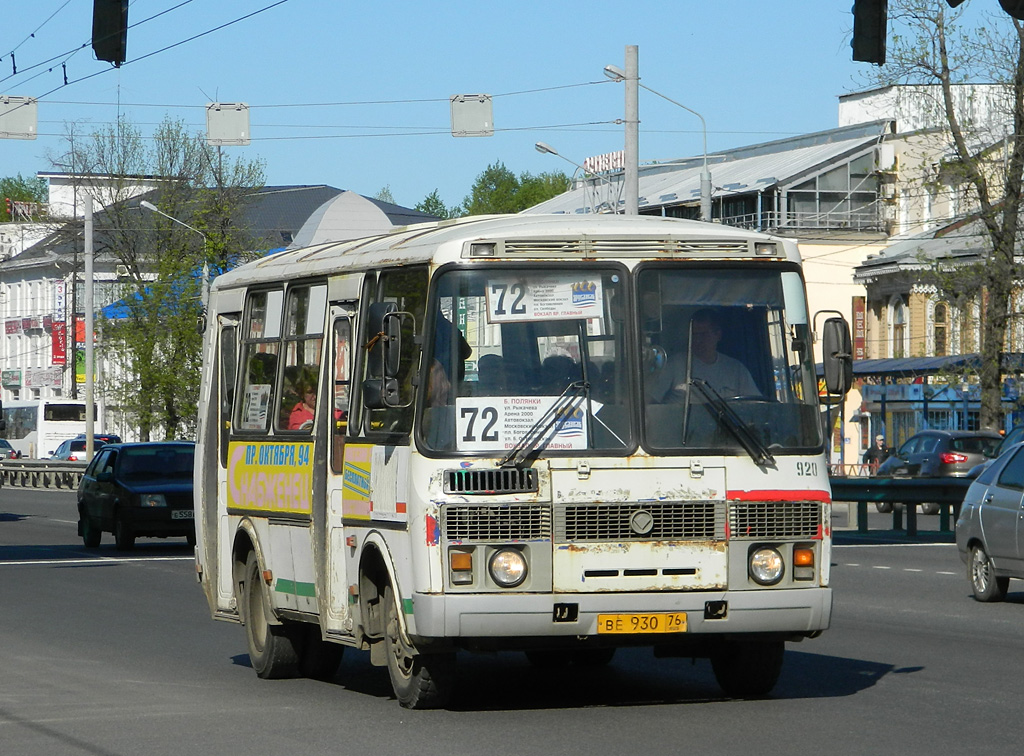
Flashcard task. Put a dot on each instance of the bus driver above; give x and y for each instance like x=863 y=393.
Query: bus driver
x=726 y=375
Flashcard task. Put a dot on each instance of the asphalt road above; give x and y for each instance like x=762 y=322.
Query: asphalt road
x=102 y=653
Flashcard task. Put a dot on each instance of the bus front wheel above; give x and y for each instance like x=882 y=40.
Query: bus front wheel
x=273 y=650
x=748 y=669
x=420 y=681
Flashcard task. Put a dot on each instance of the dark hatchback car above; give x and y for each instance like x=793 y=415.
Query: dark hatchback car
x=989 y=531
x=142 y=489
x=939 y=454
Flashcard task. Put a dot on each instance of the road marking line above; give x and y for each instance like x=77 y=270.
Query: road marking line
x=947 y=573
x=93 y=561
x=881 y=567
x=912 y=569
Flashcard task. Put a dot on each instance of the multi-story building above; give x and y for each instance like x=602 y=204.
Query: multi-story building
x=851 y=196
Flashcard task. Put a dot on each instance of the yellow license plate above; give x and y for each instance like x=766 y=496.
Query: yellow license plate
x=630 y=624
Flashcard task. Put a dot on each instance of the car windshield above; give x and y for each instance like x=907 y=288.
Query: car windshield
x=156 y=463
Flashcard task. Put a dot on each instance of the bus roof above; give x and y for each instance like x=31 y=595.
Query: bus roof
x=534 y=237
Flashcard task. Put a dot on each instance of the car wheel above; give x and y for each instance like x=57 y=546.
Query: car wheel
x=420 y=681
x=748 y=669
x=273 y=649
x=929 y=509
x=124 y=538
x=982 y=574
x=91 y=533
x=883 y=506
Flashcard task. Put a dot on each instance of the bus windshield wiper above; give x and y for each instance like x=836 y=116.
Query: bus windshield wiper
x=563 y=406
x=728 y=418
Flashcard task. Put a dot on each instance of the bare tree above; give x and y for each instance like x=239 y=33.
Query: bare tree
x=930 y=44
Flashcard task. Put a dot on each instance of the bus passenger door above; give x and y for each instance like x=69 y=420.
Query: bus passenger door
x=338 y=616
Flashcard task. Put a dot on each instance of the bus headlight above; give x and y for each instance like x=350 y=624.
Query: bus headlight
x=507 y=567
x=766 y=566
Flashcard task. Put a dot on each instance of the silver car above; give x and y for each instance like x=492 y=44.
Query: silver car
x=990 y=529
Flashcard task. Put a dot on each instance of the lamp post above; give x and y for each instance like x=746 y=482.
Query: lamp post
x=206 y=249
x=547 y=149
x=617 y=74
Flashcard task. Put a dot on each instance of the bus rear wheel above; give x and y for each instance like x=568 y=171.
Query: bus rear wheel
x=420 y=681
x=273 y=650
x=748 y=669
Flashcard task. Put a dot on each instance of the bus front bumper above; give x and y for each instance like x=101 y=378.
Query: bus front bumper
x=800 y=612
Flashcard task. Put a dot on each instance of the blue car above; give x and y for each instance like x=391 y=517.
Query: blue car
x=142 y=489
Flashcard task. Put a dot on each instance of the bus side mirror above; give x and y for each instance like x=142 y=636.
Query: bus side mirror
x=384 y=355
x=837 y=350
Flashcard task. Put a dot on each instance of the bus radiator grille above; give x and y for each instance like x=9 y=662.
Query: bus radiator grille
x=774 y=519
x=484 y=482
x=640 y=521
x=498 y=522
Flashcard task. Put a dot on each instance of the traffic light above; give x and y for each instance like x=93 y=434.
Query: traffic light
x=10 y=208
x=110 y=30
x=869 y=21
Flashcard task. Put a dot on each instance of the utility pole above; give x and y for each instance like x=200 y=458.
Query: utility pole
x=632 y=138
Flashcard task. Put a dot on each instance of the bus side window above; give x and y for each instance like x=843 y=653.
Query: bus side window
x=228 y=363
x=262 y=345
x=303 y=341
x=341 y=382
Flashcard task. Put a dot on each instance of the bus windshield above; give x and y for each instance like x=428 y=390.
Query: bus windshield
x=556 y=358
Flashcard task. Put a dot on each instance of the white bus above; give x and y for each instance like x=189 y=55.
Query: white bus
x=36 y=427
x=510 y=432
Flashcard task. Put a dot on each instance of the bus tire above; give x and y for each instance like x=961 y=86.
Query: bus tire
x=124 y=538
x=273 y=651
x=748 y=669
x=91 y=533
x=420 y=681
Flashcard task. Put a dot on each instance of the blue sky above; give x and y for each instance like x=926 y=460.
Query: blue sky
x=310 y=69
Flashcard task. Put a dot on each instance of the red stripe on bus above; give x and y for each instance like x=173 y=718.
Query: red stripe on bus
x=773 y=495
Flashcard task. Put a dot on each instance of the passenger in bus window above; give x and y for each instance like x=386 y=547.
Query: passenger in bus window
x=301 y=417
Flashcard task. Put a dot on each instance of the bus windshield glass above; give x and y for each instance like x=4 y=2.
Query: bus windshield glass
x=539 y=358
x=515 y=346
x=726 y=338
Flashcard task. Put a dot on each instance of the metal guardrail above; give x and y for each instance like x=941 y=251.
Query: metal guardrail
x=41 y=473
x=948 y=493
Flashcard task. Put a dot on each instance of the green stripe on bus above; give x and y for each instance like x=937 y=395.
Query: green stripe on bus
x=307 y=590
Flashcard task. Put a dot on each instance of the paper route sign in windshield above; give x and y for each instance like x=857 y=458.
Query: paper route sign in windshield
x=550 y=297
x=488 y=423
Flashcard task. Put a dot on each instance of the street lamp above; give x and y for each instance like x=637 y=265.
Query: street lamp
x=547 y=149
x=206 y=249
x=617 y=74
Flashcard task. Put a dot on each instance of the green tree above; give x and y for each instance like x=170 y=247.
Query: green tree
x=432 y=204
x=929 y=44
x=499 y=190
x=384 y=195
x=153 y=346
x=20 y=189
